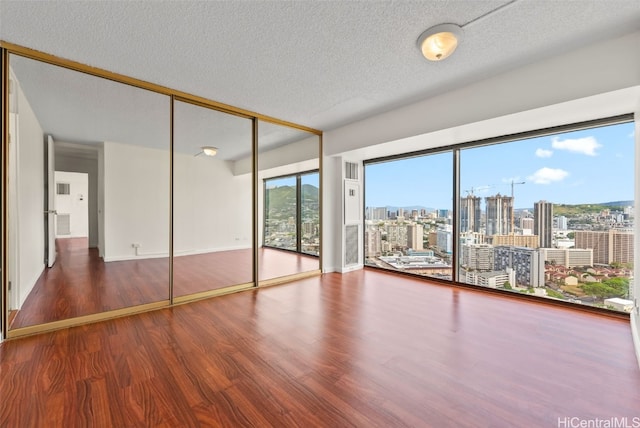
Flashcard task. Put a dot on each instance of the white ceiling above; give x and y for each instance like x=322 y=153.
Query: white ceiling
x=321 y=64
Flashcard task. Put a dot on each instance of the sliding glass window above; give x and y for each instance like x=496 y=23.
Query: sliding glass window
x=408 y=214
x=551 y=216
x=291 y=213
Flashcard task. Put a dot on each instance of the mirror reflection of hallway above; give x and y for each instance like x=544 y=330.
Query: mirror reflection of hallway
x=125 y=158
x=117 y=260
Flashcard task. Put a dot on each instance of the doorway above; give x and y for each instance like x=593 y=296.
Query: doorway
x=72 y=205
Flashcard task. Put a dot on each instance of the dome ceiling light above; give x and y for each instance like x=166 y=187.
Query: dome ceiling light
x=438 y=42
x=208 y=151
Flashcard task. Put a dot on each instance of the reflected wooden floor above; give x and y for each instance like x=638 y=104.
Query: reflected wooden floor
x=80 y=283
x=363 y=349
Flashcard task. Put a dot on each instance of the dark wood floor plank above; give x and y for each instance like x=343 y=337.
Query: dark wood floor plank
x=81 y=283
x=360 y=349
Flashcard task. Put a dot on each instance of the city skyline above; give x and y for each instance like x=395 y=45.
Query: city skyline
x=561 y=169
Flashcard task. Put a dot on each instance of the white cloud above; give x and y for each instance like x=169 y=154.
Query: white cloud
x=543 y=153
x=586 y=145
x=632 y=133
x=548 y=175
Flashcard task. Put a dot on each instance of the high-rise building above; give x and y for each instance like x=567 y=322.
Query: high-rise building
x=397 y=235
x=562 y=223
x=373 y=240
x=526 y=224
x=445 y=239
x=470 y=214
x=568 y=257
x=543 y=223
x=528 y=264
x=415 y=237
x=499 y=212
x=433 y=238
x=612 y=246
x=477 y=257
x=376 y=213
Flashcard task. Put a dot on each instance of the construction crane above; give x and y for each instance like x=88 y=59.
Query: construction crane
x=470 y=191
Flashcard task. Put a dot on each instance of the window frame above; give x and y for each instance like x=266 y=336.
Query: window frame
x=298 y=179
x=456 y=220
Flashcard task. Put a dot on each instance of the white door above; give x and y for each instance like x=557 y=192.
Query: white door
x=13 y=270
x=50 y=213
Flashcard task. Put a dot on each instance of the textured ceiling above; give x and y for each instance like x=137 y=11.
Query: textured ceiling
x=320 y=64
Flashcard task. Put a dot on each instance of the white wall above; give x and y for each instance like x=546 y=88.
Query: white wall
x=101 y=201
x=293 y=153
x=75 y=204
x=29 y=200
x=593 y=70
x=332 y=222
x=136 y=201
x=212 y=207
x=90 y=167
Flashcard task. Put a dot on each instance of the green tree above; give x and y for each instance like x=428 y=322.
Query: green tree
x=612 y=287
x=507 y=286
x=571 y=235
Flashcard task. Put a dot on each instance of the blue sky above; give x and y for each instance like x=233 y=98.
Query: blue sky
x=589 y=166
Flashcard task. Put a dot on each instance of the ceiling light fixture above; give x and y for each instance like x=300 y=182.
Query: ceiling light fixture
x=438 y=42
x=208 y=151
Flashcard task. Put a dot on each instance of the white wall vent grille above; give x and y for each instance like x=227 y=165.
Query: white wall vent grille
x=350 y=171
x=63 y=188
x=63 y=224
x=351 y=244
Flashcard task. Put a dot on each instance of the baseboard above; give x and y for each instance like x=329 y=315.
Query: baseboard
x=32 y=283
x=134 y=257
x=352 y=268
x=635 y=320
x=209 y=250
x=176 y=254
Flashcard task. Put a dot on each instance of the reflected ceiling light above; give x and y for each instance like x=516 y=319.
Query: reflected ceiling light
x=440 y=41
x=208 y=151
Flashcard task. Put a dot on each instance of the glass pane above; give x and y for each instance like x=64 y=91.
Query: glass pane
x=553 y=216
x=212 y=200
x=280 y=213
x=287 y=201
x=106 y=240
x=310 y=211
x=408 y=218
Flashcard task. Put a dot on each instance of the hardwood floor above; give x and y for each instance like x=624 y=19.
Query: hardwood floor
x=80 y=283
x=364 y=349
